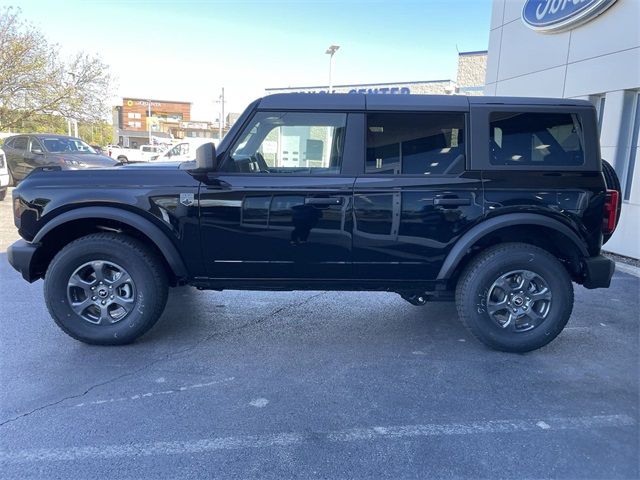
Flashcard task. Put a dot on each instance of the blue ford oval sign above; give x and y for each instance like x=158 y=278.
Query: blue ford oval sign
x=559 y=15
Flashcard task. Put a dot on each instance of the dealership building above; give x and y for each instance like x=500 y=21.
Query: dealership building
x=469 y=81
x=585 y=49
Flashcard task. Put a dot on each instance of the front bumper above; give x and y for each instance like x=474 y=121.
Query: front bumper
x=598 y=272
x=20 y=255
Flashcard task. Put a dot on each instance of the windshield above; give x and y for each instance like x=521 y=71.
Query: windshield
x=62 y=145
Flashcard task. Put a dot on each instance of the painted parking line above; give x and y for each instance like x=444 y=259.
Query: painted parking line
x=140 y=396
x=294 y=439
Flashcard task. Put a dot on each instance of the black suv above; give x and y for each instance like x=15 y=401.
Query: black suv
x=25 y=153
x=498 y=203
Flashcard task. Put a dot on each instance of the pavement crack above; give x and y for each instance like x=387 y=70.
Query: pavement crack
x=164 y=358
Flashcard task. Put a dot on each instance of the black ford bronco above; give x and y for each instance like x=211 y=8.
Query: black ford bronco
x=496 y=203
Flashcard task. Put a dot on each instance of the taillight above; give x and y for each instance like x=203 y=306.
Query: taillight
x=610 y=212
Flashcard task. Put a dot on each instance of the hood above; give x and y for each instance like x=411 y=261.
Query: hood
x=89 y=160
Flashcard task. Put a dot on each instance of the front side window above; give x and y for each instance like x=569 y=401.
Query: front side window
x=65 y=145
x=530 y=139
x=289 y=143
x=415 y=143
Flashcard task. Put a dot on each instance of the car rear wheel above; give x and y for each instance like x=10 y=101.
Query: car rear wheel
x=515 y=297
x=105 y=289
x=123 y=159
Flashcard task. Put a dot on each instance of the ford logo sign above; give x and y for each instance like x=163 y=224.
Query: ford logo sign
x=552 y=16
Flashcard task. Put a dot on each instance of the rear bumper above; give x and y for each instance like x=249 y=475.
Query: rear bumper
x=20 y=256
x=598 y=272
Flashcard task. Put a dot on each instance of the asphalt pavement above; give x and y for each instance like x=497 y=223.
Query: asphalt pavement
x=316 y=385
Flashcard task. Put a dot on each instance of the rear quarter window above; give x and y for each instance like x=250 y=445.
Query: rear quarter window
x=535 y=139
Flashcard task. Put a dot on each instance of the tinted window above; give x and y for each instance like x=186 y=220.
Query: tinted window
x=535 y=139
x=415 y=143
x=65 y=144
x=20 y=143
x=9 y=143
x=290 y=143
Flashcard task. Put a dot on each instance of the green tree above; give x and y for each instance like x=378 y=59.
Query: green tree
x=36 y=85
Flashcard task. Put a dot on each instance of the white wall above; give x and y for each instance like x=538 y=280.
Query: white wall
x=598 y=57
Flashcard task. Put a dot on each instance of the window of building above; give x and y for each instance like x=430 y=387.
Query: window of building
x=290 y=143
x=415 y=143
x=634 y=151
x=598 y=101
x=530 y=139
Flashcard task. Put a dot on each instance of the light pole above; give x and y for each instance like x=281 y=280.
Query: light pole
x=331 y=52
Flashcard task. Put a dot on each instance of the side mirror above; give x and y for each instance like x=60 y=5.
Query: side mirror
x=37 y=151
x=206 y=157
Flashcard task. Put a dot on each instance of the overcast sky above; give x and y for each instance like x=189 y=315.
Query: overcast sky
x=175 y=50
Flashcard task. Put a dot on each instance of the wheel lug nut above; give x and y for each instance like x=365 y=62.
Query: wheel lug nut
x=111 y=297
x=94 y=298
x=103 y=302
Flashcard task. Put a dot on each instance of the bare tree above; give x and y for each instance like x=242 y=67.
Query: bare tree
x=35 y=81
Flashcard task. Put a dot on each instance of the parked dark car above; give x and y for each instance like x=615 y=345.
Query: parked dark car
x=27 y=152
x=496 y=203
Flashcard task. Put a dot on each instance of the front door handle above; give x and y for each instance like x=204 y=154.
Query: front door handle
x=324 y=201
x=452 y=201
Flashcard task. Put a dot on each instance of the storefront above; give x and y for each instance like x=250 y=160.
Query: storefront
x=588 y=49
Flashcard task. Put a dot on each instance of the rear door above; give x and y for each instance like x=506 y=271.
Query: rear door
x=415 y=197
x=16 y=157
x=281 y=205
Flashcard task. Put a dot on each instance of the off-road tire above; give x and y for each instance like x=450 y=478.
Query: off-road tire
x=489 y=265
x=141 y=263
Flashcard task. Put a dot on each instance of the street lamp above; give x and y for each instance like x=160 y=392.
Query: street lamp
x=331 y=52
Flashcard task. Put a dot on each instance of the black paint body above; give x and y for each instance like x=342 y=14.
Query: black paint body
x=346 y=231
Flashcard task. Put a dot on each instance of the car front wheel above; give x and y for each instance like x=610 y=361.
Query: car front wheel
x=515 y=297
x=106 y=289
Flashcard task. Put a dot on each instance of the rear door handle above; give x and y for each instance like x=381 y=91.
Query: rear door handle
x=452 y=201
x=324 y=201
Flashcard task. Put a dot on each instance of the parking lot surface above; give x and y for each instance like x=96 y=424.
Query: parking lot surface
x=316 y=385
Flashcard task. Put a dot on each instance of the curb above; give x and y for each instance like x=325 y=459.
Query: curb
x=630 y=269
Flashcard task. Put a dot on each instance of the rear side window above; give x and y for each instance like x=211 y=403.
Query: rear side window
x=415 y=143
x=535 y=139
x=20 y=143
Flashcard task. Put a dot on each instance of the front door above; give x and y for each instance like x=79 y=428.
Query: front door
x=415 y=198
x=280 y=206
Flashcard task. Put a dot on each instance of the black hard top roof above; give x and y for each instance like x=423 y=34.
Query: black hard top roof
x=363 y=101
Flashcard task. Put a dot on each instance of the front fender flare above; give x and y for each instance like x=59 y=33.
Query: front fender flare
x=157 y=236
x=464 y=243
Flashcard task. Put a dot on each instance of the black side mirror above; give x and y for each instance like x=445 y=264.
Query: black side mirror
x=206 y=157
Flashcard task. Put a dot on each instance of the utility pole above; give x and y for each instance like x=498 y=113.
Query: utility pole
x=331 y=52
x=149 y=119
x=221 y=123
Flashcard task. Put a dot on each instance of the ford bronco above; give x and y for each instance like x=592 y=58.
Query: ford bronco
x=500 y=204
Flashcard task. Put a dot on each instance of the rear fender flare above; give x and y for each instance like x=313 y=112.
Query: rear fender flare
x=486 y=227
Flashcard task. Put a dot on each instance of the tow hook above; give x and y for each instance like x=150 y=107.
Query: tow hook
x=417 y=299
